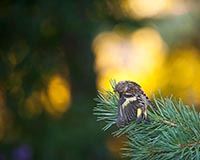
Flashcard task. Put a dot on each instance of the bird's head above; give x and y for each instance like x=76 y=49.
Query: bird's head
x=121 y=87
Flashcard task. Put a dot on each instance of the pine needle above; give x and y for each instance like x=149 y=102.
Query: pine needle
x=173 y=133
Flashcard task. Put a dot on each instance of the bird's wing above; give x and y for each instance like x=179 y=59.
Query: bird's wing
x=128 y=105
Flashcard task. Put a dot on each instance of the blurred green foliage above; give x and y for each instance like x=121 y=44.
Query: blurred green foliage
x=40 y=39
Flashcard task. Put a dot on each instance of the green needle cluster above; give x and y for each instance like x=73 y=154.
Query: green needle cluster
x=173 y=133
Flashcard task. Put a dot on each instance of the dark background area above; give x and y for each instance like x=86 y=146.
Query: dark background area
x=40 y=39
x=49 y=37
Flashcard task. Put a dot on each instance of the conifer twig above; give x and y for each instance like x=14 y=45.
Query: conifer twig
x=173 y=133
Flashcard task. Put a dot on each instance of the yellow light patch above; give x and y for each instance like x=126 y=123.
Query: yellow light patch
x=57 y=98
x=114 y=144
x=139 y=9
x=124 y=57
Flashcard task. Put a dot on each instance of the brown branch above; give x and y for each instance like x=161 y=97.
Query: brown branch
x=189 y=144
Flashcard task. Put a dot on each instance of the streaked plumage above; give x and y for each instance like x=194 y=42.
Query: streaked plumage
x=132 y=103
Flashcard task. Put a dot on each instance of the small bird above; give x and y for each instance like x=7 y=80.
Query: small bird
x=132 y=103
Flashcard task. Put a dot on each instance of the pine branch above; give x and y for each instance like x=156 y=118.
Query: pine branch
x=173 y=133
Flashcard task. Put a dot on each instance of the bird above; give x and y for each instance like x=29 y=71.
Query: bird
x=132 y=103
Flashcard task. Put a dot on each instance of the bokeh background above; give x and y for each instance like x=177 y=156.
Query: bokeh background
x=56 y=54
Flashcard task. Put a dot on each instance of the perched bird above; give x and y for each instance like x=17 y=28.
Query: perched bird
x=132 y=103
